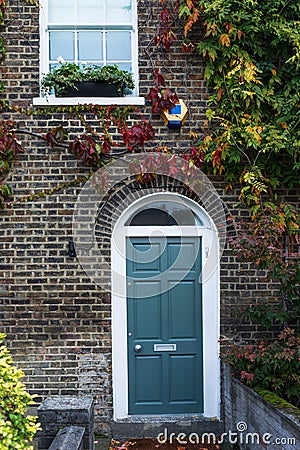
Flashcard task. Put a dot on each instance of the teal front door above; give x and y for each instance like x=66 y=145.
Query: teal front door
x=164 y=316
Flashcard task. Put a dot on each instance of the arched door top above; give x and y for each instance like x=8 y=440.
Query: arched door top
x=165 y=209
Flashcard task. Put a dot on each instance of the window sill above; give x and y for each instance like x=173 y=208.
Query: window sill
x=69 y=101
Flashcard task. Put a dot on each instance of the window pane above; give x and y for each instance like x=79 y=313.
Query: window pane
x=61 y=44
x=124 y=66
x=152 y=216
x=53 y=66
x=61 y=11
x=90 y=46
x=118 y=11
x=118 y=45
x=165 y=214
x=90 y=11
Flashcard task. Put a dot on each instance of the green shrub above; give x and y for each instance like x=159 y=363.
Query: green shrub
x=16 y=429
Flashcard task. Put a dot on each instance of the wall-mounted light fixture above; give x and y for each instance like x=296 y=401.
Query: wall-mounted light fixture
x=176 y=116
x=71 y=249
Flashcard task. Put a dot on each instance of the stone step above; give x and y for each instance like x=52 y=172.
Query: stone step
x=69 y=438
x=138 y=427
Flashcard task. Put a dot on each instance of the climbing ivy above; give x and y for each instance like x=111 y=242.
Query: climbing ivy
x=252 y=137
x=252 y=134
x=269 y=365
x=252 y=65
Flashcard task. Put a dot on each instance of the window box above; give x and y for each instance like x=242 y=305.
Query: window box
x=92 y=89
x=71 y=80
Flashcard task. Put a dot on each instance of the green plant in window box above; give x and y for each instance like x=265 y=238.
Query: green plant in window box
x=70 y=79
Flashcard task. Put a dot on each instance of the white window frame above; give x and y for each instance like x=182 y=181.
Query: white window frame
x=44 y=61
x=210 y=303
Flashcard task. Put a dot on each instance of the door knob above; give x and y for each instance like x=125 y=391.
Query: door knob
x=137 y=348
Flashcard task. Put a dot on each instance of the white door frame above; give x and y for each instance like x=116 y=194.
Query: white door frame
x=210 y=299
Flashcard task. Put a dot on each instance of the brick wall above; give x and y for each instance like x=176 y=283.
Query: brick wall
x=57 y=321
x=254 y=423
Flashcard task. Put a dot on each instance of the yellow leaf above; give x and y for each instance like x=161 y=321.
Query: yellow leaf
x=207 y=139
x=211 y=29
x=250 y=72
x=191 y=20
x=234 y=70
x=225 y=40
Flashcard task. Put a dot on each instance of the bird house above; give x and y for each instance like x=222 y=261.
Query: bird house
x=176 y=116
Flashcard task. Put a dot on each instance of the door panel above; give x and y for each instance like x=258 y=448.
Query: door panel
x=182 y=379
x=182 y=320
x=150 y=329
x=146 y=257
x=181 y=255
x=164 y=307
x=148 y=367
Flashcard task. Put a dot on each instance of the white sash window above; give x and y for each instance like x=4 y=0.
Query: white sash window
x=101 y=32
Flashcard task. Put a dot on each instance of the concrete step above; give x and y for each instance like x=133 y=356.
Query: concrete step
x=139 y=426
x=68 y=438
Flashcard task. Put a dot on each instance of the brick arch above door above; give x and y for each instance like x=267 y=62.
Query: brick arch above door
x=125 y=194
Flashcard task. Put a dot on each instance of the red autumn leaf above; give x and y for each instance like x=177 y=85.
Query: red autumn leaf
x=145 y=178
x=165 y=16
x=187 y=47
x=158 y=79
x=55 y=136
x=50 y=138
x=157 y=40
x=10 y=147
x=195 y=156
x=106 y=145
x=137 y=135
x=173 y=170
x=84 y=148
x=134 y=167
x=149 y=164
x=153 y=94
x=220 y=94
x=16 y=146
